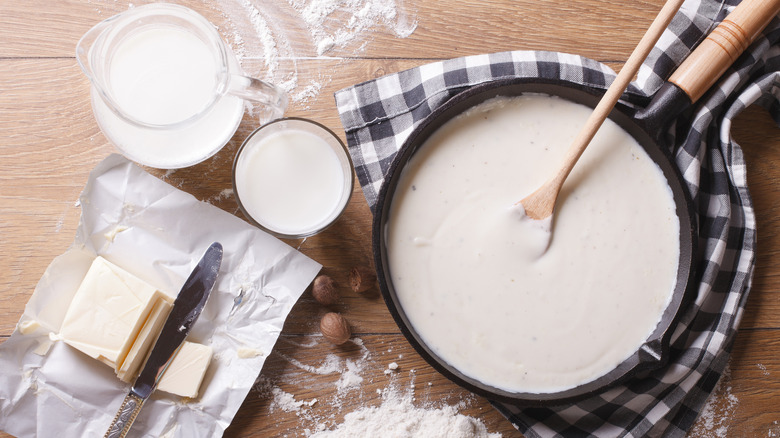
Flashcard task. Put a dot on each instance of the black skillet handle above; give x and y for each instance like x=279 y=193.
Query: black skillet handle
x=714 y=55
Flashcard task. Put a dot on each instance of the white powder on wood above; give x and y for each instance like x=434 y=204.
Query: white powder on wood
x=284 y=401
x=281 y=32
x=331 y=364
x=350 y=378
x=281 y=400
x=398 y=417
x=774 y=429
x=339 y=22
x=716 y=417
x=224 y=194
x=309 y=93
x=330 y=24
x=349 y=369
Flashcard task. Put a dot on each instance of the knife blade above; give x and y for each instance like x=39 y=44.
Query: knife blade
x=186 y=309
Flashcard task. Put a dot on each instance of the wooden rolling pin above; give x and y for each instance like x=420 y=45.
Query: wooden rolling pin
x=723 y=46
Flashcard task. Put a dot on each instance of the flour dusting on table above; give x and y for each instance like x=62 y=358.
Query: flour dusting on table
x=398 y=417
x=270 y=37
x=283 y=32
x=336 y=23
x=349 y=370
x=716 y=417
x=398 y=414
x=280 y=33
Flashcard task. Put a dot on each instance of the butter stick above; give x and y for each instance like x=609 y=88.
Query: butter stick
x=107 y=312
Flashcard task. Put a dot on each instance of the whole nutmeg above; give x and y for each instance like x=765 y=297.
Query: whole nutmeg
x=335 y=328
x=362 y=278
x=324 y=290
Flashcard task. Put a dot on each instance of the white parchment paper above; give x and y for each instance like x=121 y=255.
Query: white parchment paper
x=157 y=232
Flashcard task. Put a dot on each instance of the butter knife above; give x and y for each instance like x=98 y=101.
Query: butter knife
x=186 y=309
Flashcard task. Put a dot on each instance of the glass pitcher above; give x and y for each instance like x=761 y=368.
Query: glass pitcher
x=166 y=89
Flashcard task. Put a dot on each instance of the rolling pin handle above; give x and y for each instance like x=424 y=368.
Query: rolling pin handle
x=705 y=65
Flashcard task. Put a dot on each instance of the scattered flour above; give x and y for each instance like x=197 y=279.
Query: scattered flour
x=716 y=417
x=349 y=370
x=224 y=194
x=774 y=429
x=336 y=23
x=312 y=342
x=263 y=32
x=286 y=401
x=281 y=400
x=59 y=224
x=269 y=37
x=332 y=364
x=350 y=378
x=281 y=32
x=308 y=93
x=398 y=417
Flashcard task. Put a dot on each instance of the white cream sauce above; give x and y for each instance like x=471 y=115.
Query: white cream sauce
x=477 y=279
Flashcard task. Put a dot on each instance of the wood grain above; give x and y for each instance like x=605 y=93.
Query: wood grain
x=289 y=369
x=444 y=29
x=49 y=143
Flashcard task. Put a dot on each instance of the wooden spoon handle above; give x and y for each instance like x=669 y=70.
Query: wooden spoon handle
x=723 y=46
x=541 y=203
x=624 y=77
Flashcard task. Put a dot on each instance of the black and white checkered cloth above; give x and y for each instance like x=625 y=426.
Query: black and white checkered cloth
x=379 y=115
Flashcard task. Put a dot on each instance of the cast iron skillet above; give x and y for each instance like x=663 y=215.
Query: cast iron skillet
x=690 y=81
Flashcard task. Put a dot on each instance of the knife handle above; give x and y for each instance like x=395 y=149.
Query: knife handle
x=125 y=417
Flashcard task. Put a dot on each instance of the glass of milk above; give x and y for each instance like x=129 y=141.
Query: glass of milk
x=166 y=89
x=292 y=177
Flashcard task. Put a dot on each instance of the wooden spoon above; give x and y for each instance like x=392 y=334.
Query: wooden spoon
x=541 y=203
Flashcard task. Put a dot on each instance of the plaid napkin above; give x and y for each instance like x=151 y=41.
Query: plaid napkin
x=378 y=116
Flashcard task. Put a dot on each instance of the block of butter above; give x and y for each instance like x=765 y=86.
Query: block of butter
x=115 y=317
x=131 y=366
x=185 y=373
x=108 y=311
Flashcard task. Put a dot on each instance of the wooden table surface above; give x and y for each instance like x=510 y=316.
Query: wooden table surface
x=49 y=142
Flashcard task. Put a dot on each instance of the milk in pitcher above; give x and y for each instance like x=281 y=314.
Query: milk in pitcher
x=164 y=76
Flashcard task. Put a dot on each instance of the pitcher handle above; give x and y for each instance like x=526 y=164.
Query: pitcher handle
x=273 y=98
x=85 y=46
